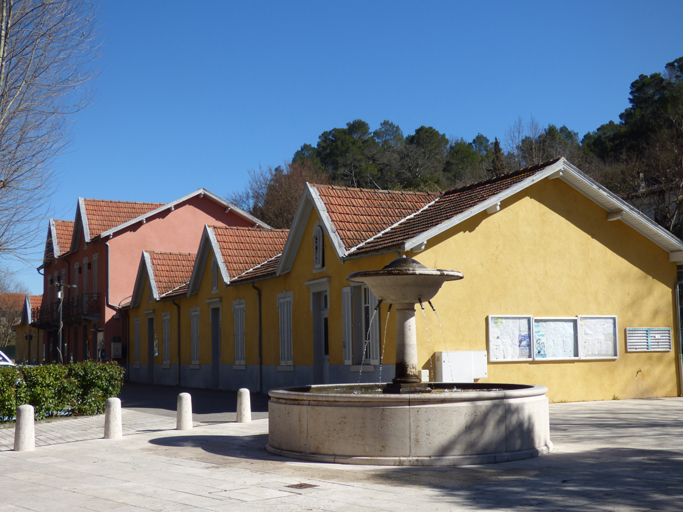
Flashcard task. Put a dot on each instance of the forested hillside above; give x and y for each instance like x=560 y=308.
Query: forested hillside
x=641 y=155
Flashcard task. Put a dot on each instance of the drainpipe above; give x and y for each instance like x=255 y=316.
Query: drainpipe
x=178 y=322
x=260 y=364
x=679 y=331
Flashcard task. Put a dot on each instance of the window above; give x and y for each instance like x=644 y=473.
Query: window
x=166 y=328
x=63 y=278
x=56 y=285
x=238 y=312
x=360 y=326
x=214 y=275
x=85 y=284
x=94 y=273
x=136 y=340
x=318 y=247
x=194 y=335
x=284 y=306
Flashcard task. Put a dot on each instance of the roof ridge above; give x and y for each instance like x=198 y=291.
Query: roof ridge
x=173 y=253
x=378 y=191
x=508 y=175
x=122 y=202
x=249 y=228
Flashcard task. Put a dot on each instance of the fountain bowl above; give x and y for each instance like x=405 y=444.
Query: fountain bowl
x=475 y=423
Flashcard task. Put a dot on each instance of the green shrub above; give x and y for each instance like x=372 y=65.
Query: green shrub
x=76 y=388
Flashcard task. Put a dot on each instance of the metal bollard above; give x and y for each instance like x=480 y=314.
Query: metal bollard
x=24 y=430
x=113 y=428
x=184 y=414
x=243 y=406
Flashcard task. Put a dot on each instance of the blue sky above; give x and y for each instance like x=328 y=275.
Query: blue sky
x=193 y=94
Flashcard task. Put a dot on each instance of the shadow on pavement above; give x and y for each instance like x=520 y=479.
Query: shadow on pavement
x=208 y=404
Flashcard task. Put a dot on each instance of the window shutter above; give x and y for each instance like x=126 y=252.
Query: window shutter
x=347 y=325
x=238 y=310
x=285 y=313
x=373 y=354
x=194 y=326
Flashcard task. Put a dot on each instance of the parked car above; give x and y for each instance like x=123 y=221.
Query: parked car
x=4 y=360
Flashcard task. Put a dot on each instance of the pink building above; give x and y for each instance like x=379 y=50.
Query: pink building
x=94 y=261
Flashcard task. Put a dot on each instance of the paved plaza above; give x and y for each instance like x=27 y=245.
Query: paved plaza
x=614 y=455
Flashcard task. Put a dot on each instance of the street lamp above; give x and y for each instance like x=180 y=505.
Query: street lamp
x=61 y=323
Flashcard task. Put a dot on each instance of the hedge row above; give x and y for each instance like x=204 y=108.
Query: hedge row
x=72 y=389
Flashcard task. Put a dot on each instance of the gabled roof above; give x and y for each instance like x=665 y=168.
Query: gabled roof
x=102 y=218
x=238 y=251
x=30 y=302
x=350 y=216
x=59 y=236
x=168 y=273
x=447 y=210
x=446 y=207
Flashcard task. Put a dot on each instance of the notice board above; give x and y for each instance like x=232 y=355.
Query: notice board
x=598 y=336
x=555 y=338
x=510 y=338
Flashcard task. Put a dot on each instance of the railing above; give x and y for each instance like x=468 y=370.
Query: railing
x=73 y=310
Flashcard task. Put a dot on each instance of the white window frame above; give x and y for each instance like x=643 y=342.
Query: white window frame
x=285 y=302
x=347 y=325
x=166 y=334
x=370 y=302
x=239 y=315
x=318 y=247
x=136 y=341
x=194 y=336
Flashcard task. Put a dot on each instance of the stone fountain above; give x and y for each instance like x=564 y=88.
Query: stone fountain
x=408 y=422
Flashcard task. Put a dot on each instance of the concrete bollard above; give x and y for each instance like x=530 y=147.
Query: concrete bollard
x=243 y=406
x=112 y=419
x=184 y=414
x=24 y=430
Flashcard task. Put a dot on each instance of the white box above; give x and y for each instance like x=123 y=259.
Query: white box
x=461 y=366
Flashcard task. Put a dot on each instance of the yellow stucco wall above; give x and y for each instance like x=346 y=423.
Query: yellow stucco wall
x=550 y=251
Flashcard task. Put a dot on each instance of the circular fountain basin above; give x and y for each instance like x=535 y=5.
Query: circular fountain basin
x=359 y=424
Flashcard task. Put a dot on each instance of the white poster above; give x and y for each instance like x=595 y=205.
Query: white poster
x=598 y=336
x=555 y=338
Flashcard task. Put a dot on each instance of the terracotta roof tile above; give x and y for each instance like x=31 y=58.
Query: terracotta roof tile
x=171 y=270
x=103 y=215
x=36 y=301
x=243 y=249
x=358 y=214
x=450 y=204
x=265 y=269
x=65 y=230
x=12 y=300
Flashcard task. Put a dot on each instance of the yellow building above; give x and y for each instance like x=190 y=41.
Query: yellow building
x=30 y=342
x=565 y=285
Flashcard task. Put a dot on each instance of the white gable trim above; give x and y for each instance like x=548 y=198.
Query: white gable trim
x=587 y=186
x=309 y=199
x=55 y=242
x=139 y=279
x=362 y=244
x=150 y=273
x=171 y=206
x=208 y=241
x=84 y=220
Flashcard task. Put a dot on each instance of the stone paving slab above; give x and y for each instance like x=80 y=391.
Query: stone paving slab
x=622 y=455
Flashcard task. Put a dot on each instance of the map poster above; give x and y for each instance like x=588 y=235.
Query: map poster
x=555 y=338
x=598 y=336
x=510 y=338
